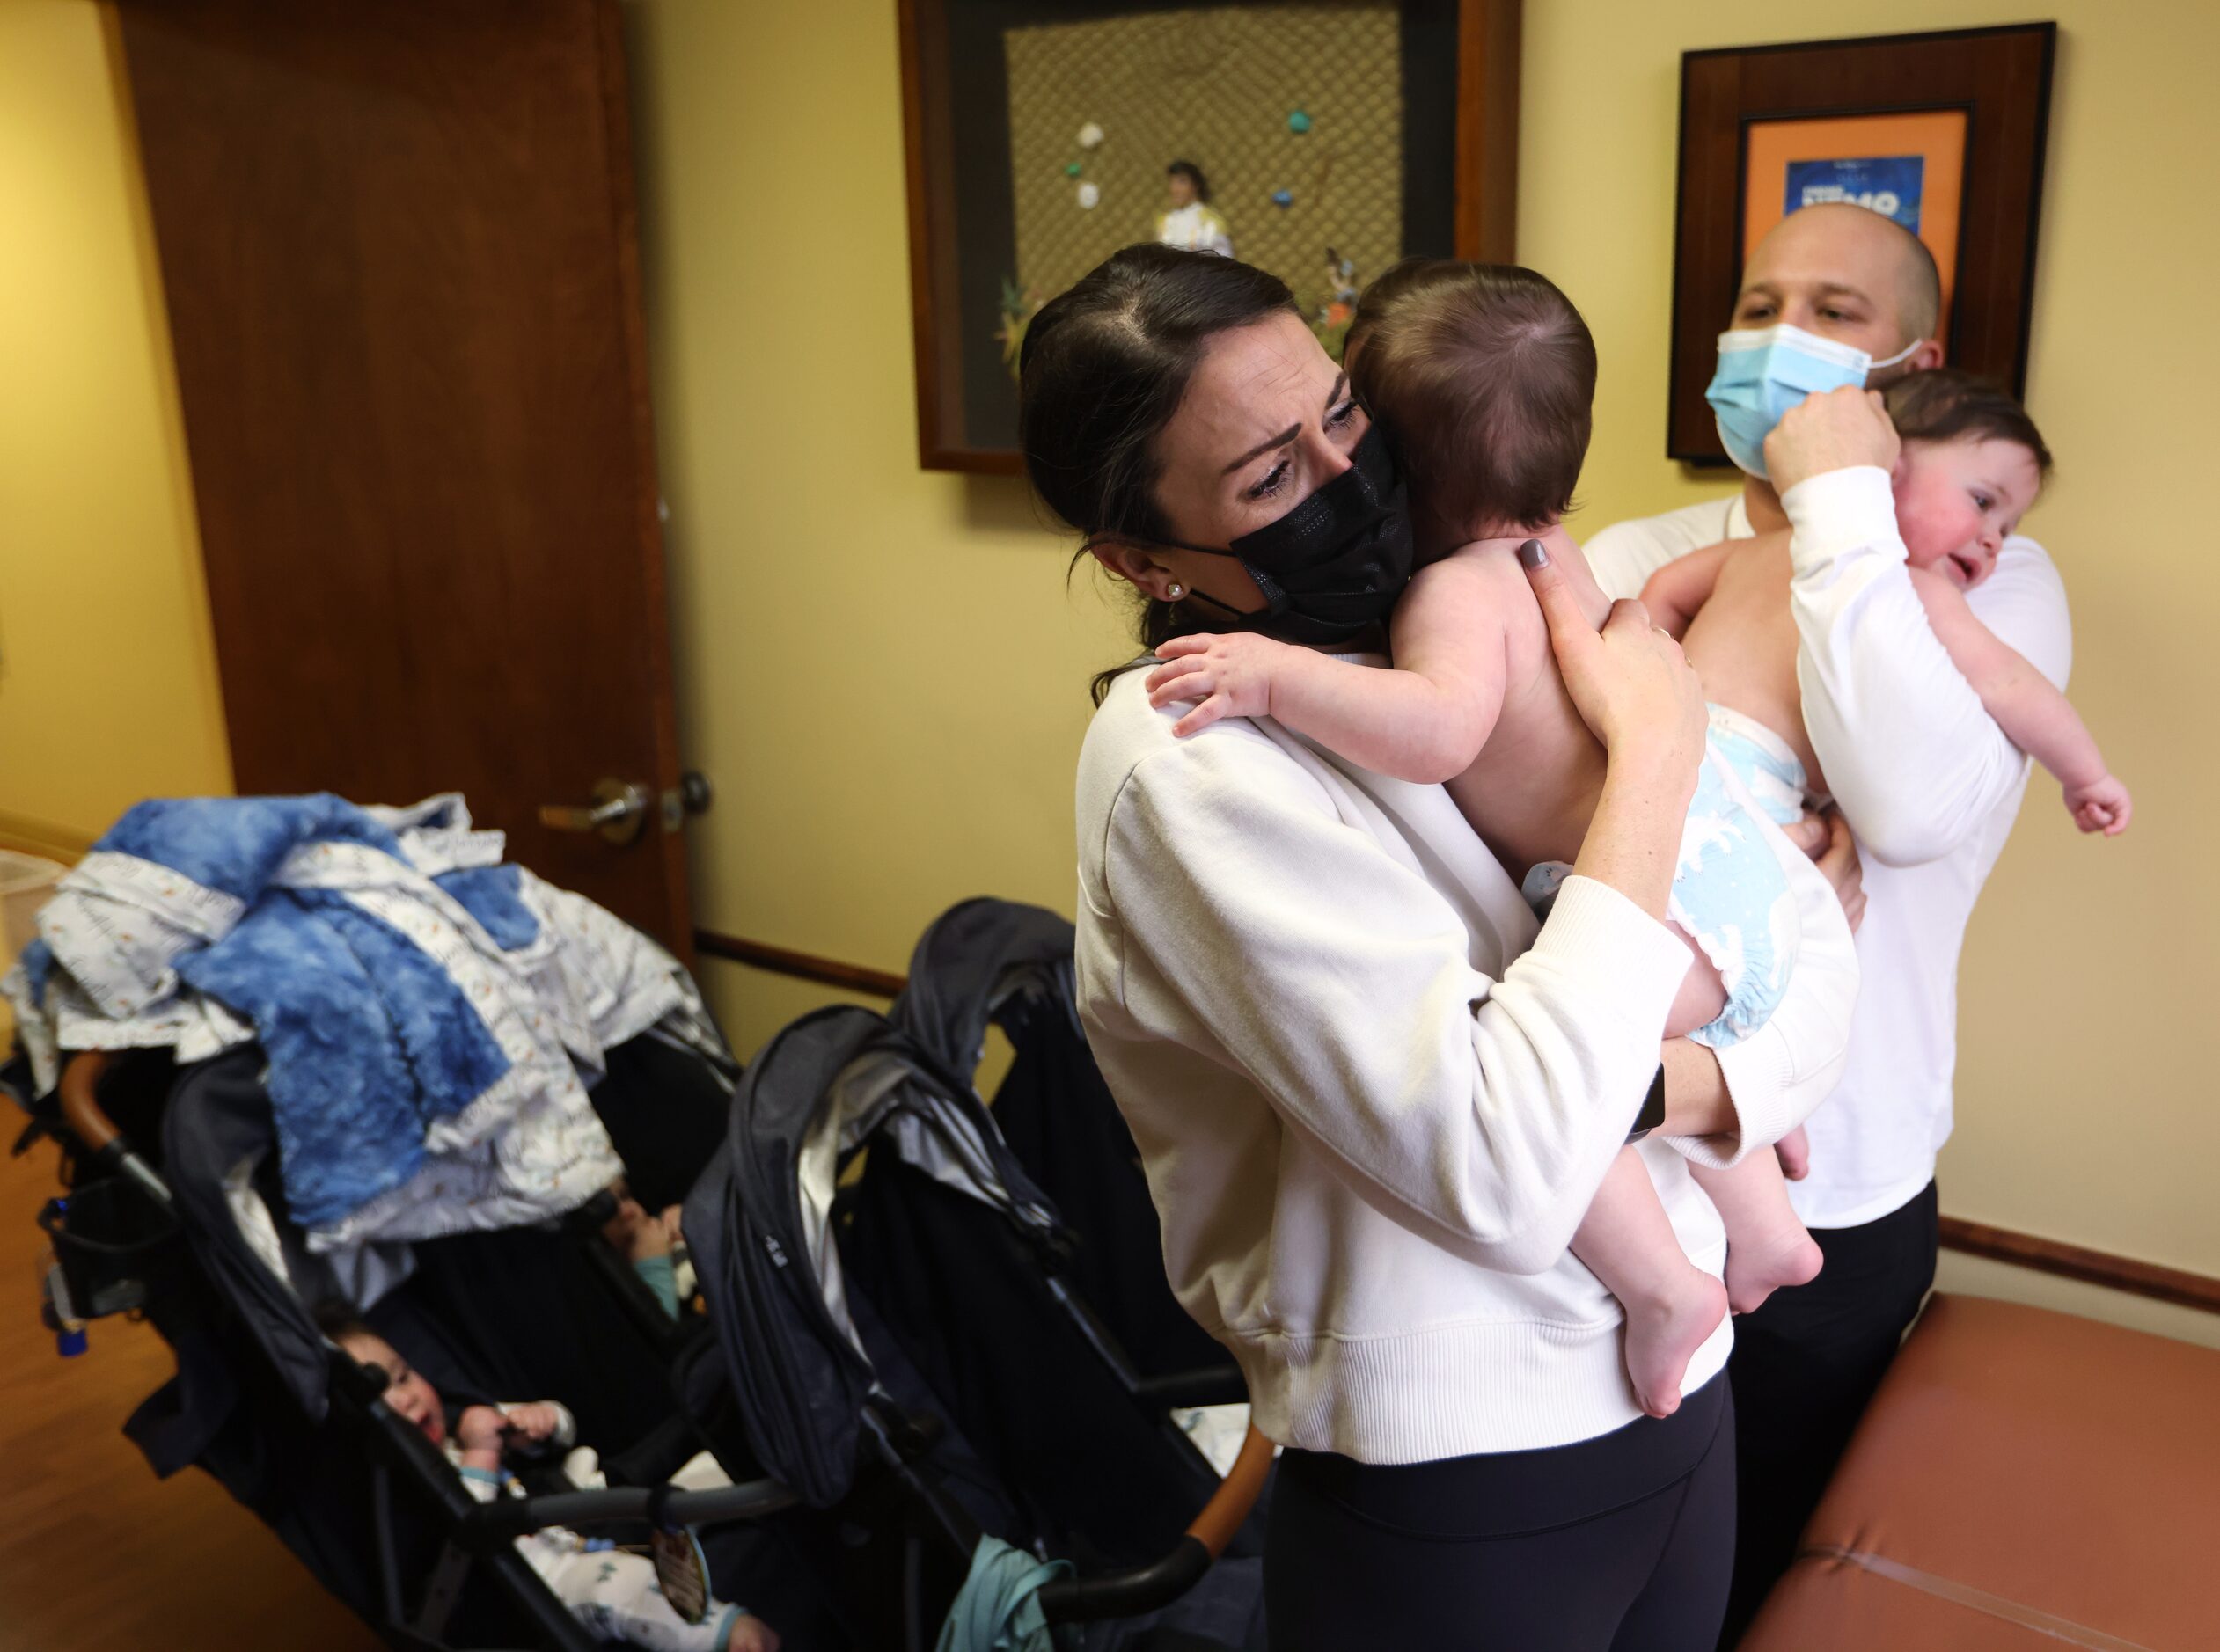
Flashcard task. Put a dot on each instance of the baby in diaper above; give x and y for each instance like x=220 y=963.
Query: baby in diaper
x=1483 y=376
x=1971 y=461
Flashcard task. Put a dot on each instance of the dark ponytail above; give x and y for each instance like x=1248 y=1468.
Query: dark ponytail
x=1104 y=368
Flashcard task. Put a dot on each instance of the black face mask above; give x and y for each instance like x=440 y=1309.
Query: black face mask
x=1335 y=564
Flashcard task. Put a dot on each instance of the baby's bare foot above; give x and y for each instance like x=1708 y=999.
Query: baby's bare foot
x=1759 y=1263
x=1663 y=1334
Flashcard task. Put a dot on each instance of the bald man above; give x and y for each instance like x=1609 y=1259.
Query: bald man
x=1930 y=786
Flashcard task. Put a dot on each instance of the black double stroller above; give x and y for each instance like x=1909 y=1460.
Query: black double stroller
x=906 y=1349
x=192 y=1233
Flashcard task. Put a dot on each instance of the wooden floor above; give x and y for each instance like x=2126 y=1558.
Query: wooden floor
x=96 y=1554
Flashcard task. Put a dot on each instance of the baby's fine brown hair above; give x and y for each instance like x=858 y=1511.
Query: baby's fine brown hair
x=1483 y=377
x=1943 y=404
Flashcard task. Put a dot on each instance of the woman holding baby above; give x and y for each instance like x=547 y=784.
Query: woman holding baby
x=1375 y=1095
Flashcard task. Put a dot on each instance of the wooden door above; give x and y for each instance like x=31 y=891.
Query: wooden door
x=399 y=252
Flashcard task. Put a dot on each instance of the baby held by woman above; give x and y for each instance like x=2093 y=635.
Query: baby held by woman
x=1483 y=377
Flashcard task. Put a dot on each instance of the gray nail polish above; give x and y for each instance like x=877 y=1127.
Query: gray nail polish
x=1532 y=554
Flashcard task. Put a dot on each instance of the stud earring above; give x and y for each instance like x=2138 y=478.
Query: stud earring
x=1175 y=591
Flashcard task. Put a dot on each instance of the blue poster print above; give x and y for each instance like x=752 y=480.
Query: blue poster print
x=1887 y=183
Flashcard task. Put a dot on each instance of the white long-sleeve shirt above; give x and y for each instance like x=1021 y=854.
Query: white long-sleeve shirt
x=1928 y=782
x=1374 y=1102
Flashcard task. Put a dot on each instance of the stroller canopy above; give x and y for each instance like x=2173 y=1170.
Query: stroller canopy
x=760 y=1221
x=986 y=961
x=977 y=957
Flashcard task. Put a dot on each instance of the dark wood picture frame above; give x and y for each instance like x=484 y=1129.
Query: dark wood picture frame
x=1486 y=169
x=2000 y=77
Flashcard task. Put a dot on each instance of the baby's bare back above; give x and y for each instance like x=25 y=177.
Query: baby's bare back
x=1532 y=789
x=1742 y=643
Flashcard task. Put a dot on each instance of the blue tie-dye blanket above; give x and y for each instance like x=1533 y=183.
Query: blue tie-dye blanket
x=425 y=1010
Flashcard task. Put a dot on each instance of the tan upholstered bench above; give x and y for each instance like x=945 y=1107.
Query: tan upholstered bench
x=2023 y=1481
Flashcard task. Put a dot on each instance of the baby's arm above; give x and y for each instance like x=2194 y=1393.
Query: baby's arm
x=482 y=1431
x=542 y=1422
x=1425 y=721
x=2039 y=719
x=1675 y=591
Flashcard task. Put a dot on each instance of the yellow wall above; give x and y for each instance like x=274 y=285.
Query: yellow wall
x=881 y=668
x=107 y=675
x=884 y=673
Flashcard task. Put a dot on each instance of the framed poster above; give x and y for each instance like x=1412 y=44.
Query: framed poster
x=1321 y=140
x=1943 y=133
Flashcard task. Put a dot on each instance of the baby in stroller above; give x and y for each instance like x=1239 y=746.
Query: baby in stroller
x=612 y=1593
x=653 y=1244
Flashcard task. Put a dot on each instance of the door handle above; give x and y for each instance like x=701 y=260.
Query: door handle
x=619 y=810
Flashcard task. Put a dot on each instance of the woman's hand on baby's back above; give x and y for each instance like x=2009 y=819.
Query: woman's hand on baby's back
x=1629 y=681
x=1227 y=673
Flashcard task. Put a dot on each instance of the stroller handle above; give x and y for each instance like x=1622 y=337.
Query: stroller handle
x=1145 y=1588
x=1236 y=1495
x=89 y=1122
x=81 y=1104
x=660 y=1505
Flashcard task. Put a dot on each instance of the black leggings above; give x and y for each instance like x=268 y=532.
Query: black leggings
x=1622 y=1542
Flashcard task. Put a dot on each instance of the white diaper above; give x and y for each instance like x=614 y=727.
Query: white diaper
x=1729 y=892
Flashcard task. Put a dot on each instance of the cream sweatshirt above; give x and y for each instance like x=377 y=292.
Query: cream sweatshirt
x=1373 y=1101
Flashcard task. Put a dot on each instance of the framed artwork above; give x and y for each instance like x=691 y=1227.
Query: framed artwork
x=1319 y=139
x=1943 y=133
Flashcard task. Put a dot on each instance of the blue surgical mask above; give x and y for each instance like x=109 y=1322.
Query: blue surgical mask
x=1764 y=371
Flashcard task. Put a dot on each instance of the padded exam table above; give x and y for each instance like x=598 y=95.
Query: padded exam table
x=2023 y=1481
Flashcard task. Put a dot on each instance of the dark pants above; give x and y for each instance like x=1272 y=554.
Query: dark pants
x=1804 y=1366
x=1618 y=1544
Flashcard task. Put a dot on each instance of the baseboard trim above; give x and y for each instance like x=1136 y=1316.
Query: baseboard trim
x=28 y=835
x=879 y=984
x=2137 y=1278
x=2114 y=1272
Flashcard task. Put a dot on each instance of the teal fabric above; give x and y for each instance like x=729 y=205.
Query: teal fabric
x=997 y=1609
x=662 y=1278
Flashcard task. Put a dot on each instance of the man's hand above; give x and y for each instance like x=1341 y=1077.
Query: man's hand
x=1794 y=1150
x=1808 y=832
x=1229 y=673
x=2101 y=806
x=1837 y=861
x=1630 y=681
x=1831 y=430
